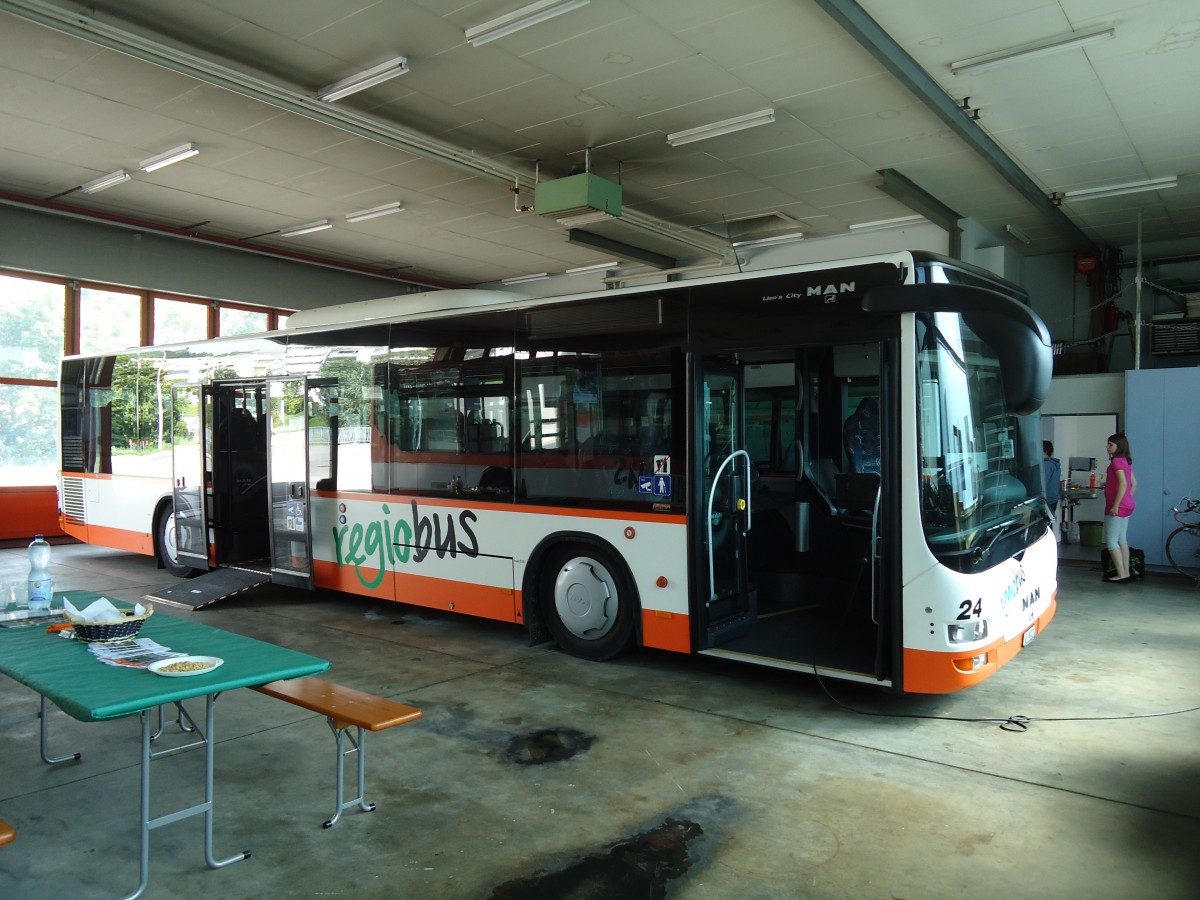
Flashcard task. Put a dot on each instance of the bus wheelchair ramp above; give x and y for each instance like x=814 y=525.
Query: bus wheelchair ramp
x=210 y=587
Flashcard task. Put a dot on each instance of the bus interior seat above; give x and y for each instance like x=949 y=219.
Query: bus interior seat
x=856 y=491
x=245 y=433
x=860 y=433
x=497 y=480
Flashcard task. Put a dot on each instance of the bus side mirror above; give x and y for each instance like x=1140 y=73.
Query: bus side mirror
x=1026 y=364
x=1017 y=334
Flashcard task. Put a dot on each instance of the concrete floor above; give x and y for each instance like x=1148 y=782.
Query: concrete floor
x=693 y=778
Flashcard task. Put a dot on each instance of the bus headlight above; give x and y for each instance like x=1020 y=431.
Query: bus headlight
x=967 y=632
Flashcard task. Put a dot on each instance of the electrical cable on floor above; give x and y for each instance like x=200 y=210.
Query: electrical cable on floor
x=1015 y=723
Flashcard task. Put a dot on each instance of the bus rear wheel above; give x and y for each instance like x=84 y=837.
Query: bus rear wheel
x=168 y=553
x=588 y=602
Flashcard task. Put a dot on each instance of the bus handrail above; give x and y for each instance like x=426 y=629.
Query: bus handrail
x=875 y=538
x=712 y=586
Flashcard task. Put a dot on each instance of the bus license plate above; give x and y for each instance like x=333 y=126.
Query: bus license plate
x=1027 y=637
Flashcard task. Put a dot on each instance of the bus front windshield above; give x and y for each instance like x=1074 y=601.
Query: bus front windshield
x=982 y=496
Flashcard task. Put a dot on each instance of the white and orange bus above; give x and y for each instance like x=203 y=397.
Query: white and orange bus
x=831 y=468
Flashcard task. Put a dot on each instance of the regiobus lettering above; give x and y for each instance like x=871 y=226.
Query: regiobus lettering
x=850 y=487
x=395 y=541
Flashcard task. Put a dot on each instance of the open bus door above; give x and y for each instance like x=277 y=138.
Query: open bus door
x=302 y=455
x=189 y=402
x=723 y=511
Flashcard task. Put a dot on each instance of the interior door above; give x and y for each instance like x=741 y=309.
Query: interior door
x=190 y=404
x=724 y=514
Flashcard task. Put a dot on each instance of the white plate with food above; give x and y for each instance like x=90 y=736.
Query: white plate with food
x=182 y=666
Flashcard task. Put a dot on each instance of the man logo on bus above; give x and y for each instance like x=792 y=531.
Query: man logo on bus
x=830 y=291
x=396 y=541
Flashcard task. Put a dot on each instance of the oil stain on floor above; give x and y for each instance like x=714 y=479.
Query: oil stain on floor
x=547 y=745
x=635 y=868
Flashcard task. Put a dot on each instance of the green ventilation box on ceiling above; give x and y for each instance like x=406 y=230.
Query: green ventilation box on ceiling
x=577 y=194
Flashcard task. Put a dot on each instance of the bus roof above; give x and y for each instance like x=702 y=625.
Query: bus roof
x=416 y=305
x=434 y=304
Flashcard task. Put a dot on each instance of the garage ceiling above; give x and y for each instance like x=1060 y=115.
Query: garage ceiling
x=856 y=90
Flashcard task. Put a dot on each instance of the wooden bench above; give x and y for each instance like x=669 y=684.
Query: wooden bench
x=7 y=832
x=344 y=707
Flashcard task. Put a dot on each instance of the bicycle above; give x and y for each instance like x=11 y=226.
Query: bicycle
x=1183 y=544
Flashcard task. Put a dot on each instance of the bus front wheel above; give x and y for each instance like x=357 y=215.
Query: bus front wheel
x=588 y=602
x=167 y=550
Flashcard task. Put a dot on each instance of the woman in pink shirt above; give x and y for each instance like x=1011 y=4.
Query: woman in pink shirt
x=1119 y=486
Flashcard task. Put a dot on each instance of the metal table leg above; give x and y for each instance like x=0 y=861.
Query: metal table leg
x=358 y=748
x=148 y=824
x=46 y=758
x=45 y=737
x=209 y=752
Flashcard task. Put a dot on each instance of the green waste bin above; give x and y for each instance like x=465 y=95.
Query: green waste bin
x=1091 y=534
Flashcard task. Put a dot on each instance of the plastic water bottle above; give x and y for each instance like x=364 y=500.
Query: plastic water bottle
x=40 y=589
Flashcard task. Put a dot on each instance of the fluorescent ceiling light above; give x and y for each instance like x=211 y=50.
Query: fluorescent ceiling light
x=308 y=228
x=364 y=79
x=587 y=218
x=887 y=223
x=1032 y=50
x=520 y=279
x=594 y=267
x=1116 y=190
x=775 y=239
x=504 y=25
x=105 y=181
x=1018 y=234
x=375 y=212
x=174 y=155
x=725 y=126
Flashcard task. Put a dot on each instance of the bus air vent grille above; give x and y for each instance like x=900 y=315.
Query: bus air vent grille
x=72 y=500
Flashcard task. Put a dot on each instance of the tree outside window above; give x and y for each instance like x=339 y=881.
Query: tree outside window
x=32 y=315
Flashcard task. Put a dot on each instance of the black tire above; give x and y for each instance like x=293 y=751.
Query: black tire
x=164 y=532
x=1183 y=551
x=588 y=601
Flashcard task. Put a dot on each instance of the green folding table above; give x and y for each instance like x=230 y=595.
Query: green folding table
x=67 y=674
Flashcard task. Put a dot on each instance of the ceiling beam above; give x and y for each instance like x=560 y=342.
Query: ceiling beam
x=919 y=200
x=855 y=21
x=617 y=248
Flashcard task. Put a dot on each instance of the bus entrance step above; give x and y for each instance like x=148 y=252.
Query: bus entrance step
x=218 y=584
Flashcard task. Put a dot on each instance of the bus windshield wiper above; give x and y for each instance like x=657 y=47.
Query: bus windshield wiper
x=979 y=551
x=1036 y=503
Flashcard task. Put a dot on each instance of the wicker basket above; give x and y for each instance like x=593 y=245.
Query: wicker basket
x=102 y=632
